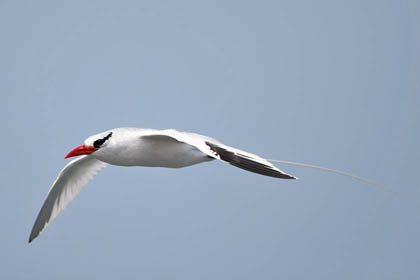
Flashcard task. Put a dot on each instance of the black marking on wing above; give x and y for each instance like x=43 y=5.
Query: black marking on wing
x=247 y=163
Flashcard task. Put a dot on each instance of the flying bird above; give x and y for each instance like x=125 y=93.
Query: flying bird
x=147 y=147
x=140 y=147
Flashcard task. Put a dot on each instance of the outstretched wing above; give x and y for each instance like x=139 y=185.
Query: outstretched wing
x=70 y=181
x=247 y=161
x=217 y=150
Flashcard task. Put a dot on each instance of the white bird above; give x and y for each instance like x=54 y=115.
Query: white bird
x=140 y=147
x=149 y=147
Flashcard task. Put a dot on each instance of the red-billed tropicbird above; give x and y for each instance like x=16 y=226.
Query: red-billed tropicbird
x=145 y=147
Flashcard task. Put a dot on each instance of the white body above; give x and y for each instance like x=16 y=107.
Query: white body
x=156 y=151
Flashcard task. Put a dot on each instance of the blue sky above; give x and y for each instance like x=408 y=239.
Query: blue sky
x=333 y=83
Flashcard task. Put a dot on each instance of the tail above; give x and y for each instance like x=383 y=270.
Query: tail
x=340 y=173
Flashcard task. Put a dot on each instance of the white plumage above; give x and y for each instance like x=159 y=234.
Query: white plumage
x=140 y=147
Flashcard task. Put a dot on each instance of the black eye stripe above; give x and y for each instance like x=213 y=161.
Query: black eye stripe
x=108 y=136
x=98 y=143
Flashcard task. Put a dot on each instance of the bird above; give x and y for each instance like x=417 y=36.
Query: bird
x=129 y=146
x=171 y=148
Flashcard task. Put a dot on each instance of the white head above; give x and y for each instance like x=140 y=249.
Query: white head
x=92 y=144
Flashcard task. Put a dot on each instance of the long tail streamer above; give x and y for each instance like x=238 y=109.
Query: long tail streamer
x=337 y=172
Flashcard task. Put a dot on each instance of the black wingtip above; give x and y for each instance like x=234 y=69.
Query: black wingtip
x=290 y=177
x=31 y=238
x=247 y=163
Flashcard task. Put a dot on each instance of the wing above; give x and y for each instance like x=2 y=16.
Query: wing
x=217 y=150
x=70 y=181
x=247 y=161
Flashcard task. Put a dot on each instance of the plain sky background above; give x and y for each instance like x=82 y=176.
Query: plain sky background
x=334 y=83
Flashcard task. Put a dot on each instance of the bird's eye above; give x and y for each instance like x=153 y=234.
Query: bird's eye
x=98 y=143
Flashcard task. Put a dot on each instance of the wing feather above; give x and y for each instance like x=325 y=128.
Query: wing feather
x=70 y=181
x=248 y=161
x=217 y=150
